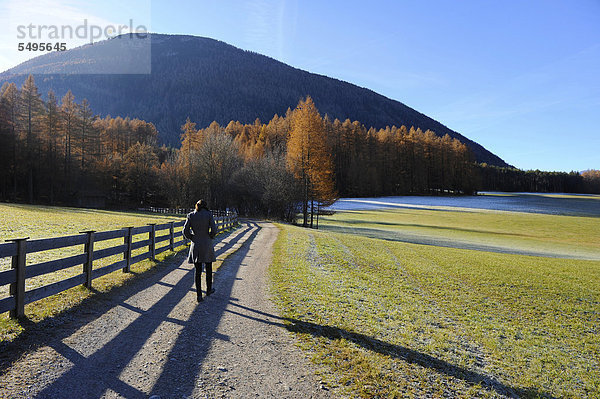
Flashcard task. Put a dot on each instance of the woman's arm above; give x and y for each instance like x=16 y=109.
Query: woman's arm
x=187 y=231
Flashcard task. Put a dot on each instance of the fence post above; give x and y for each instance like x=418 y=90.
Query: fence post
x=17 y=289
x=89 y=251
x=127 y=254
x=152 y=241
x=171 y=236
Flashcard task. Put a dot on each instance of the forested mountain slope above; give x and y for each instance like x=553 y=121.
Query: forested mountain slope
x=209 y=80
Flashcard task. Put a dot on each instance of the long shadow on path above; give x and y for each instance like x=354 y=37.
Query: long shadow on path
x=66 y=323
x=193 y=342
x=91 y=376
x=395 y=351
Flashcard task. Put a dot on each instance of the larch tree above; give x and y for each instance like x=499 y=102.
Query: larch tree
x=309 y=158
x=31 y=110
x=69 y=111
x=10 y=98
x=86 y=134
x=5 y=145
x=51 y=127
x=189 y=144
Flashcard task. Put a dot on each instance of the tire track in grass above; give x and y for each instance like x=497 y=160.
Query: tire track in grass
x=528 y=351
x=354 y=269
x=439 y=321
x=473 y=349
x=454 y=284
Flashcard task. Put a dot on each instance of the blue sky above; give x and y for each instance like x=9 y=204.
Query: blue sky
x=522 y=78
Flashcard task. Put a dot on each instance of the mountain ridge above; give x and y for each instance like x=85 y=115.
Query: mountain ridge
x=207 y=80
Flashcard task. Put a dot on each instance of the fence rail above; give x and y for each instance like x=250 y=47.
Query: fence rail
x=184 y=211
x=18 y=249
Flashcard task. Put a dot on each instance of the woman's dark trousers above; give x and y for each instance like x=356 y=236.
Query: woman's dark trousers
x=208 y=272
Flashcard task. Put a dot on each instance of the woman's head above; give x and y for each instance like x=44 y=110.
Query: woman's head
x=201 y=204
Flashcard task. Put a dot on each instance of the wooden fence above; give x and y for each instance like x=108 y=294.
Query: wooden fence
x=18 y=249
x=183 y=211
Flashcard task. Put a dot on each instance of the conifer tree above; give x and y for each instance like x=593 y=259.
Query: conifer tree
x=309 y=158
x=51 y=126
x=86 y=121
x=189 y=139
x=10 y=100
x=69 y=110
x=31 y=109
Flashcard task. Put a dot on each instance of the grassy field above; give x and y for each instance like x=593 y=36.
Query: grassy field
x=383 y=318
x=48 y=221
x=553 y=234
x=43 y=222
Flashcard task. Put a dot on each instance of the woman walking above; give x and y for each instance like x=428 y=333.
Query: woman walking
x=200 y=229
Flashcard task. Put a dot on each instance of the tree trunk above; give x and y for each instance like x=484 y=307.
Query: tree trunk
x=14 y=166
x=305 y=203
x=30 y=184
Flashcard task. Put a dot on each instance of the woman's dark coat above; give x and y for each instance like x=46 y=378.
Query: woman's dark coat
x=200 y=228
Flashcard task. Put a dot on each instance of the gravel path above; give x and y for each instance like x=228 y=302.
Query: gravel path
x=152 y=339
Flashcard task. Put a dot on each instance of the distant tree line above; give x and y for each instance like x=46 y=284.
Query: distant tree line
x=494 y=178
x=59 y=152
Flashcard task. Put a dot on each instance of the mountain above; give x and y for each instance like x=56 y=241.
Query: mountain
x=208 y=80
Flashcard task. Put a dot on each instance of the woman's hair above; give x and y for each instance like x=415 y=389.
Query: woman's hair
x=201 y=204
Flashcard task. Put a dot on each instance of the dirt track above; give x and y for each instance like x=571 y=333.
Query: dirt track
x=412 y=238
x=153 y=339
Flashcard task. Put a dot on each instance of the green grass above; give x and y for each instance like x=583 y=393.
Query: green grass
x=19 y=221
x=554 y=234
x=35 y=221
x=43 y=222
x=389 y=319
